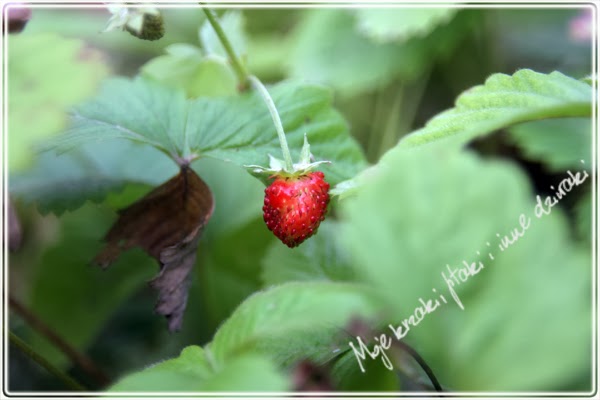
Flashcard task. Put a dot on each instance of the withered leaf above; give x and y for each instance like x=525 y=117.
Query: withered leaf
x=167 y=223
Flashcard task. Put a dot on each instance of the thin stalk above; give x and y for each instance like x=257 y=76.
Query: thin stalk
x=243 y=78
x=260 y=88
x=31 y=353
x=238 y=67
x=78 y=358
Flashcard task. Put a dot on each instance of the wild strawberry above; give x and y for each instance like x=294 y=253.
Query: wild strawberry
x=296 y=200
x=295 y=206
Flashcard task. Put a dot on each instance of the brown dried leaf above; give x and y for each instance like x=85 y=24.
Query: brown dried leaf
x=167 y=223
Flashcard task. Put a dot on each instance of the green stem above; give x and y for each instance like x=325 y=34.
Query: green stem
x=31 y=353
x=243 y=78
x=238 y=67
x=260 y=88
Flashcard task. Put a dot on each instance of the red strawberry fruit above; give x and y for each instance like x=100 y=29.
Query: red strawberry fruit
x=295 y=206
x=296 y=197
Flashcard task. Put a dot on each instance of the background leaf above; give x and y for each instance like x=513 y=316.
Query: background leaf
x=505 y=100
x=366 y=64
x=184 y=67
x=558 y=143
x=70 y=295
x=321 y=258
x=400 y=24
x=38 y=98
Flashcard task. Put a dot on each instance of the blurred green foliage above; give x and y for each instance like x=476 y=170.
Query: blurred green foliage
x=357 y=81
x=39 y=99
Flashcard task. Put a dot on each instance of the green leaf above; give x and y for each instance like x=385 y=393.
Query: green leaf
x=320 y=258
x=294 y=321
x=430 y=207
x=185 y=68
x=234 y=129
x=559 y=143
x=400 y=24
x=184 y=373
x=249 y=373
x=74 y=299
x=47 y=75
x=366 y=65
x=65 y=182
x=503 y=101
x=192 y=372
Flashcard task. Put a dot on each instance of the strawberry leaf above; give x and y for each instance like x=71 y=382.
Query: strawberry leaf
x=503 y=101
x=233 y=129
x=432 y=206
x=294 y=321
x=192 y=372
x=90 y=172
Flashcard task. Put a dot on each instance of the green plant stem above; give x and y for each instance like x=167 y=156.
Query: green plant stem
x=238 y=67
x=260 y=88
x=31 y=353
x=244 y=77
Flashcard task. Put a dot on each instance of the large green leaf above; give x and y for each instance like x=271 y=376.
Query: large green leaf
x=431 y=207
x=559 y=143
x=233 y=129
x=47 y=75
x=192 y=371
x=295 y=321
x=503 y=101
x=400 y=23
